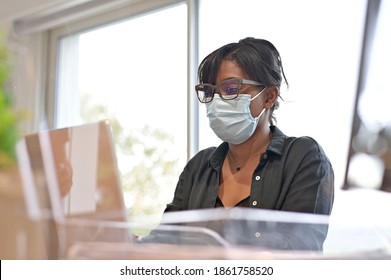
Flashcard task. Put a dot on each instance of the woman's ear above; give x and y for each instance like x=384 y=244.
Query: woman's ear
x=271 y=95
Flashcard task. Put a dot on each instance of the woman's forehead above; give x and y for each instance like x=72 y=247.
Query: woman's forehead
x=229 y=69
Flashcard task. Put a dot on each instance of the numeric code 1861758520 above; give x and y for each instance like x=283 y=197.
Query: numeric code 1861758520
x=243 y=270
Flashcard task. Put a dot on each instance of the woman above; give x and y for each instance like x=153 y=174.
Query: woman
x=256 y=166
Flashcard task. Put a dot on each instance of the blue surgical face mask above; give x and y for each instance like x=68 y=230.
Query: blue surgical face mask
x=231 y=120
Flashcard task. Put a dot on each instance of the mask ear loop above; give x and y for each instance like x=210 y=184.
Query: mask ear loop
x=264 y=109
x=261 y=113
x=259 y=93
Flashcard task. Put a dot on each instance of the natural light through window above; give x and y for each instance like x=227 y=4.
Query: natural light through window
x=134 y=73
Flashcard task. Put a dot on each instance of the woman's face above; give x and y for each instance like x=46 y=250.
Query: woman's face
x=229 y=69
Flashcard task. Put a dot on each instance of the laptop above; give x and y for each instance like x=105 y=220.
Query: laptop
x=72 y=183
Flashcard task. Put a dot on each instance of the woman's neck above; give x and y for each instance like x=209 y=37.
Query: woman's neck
x=256 y=144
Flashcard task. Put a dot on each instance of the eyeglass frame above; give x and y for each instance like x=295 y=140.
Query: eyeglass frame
x=240 y=81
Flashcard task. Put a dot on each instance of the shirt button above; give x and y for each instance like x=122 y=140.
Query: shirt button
x=255 y=203
x=257 y=178
x=257 y=234
x=265 y=156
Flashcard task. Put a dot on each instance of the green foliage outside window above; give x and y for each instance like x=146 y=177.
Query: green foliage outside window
x=9 y=132
x=150 y=177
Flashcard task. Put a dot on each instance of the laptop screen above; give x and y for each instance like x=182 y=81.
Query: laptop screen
x=73 y=172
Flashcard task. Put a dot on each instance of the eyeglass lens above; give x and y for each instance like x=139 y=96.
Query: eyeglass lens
x=228 y=90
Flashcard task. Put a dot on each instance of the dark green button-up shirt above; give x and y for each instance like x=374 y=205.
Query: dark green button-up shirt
x=293 y=174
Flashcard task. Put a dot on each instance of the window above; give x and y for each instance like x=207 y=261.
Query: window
x=133 y=72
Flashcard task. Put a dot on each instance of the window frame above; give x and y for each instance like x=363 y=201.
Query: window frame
x=125 y=13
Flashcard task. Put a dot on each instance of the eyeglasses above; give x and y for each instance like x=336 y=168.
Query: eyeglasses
x=227 y=89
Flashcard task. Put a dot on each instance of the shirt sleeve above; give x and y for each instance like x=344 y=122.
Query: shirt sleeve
x=178 y=200
x=310 y=178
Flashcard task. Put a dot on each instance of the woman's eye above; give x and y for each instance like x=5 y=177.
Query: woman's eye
x=232 y=90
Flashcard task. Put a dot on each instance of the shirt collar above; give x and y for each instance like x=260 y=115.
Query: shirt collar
x=276 y=146
x=277 y=141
